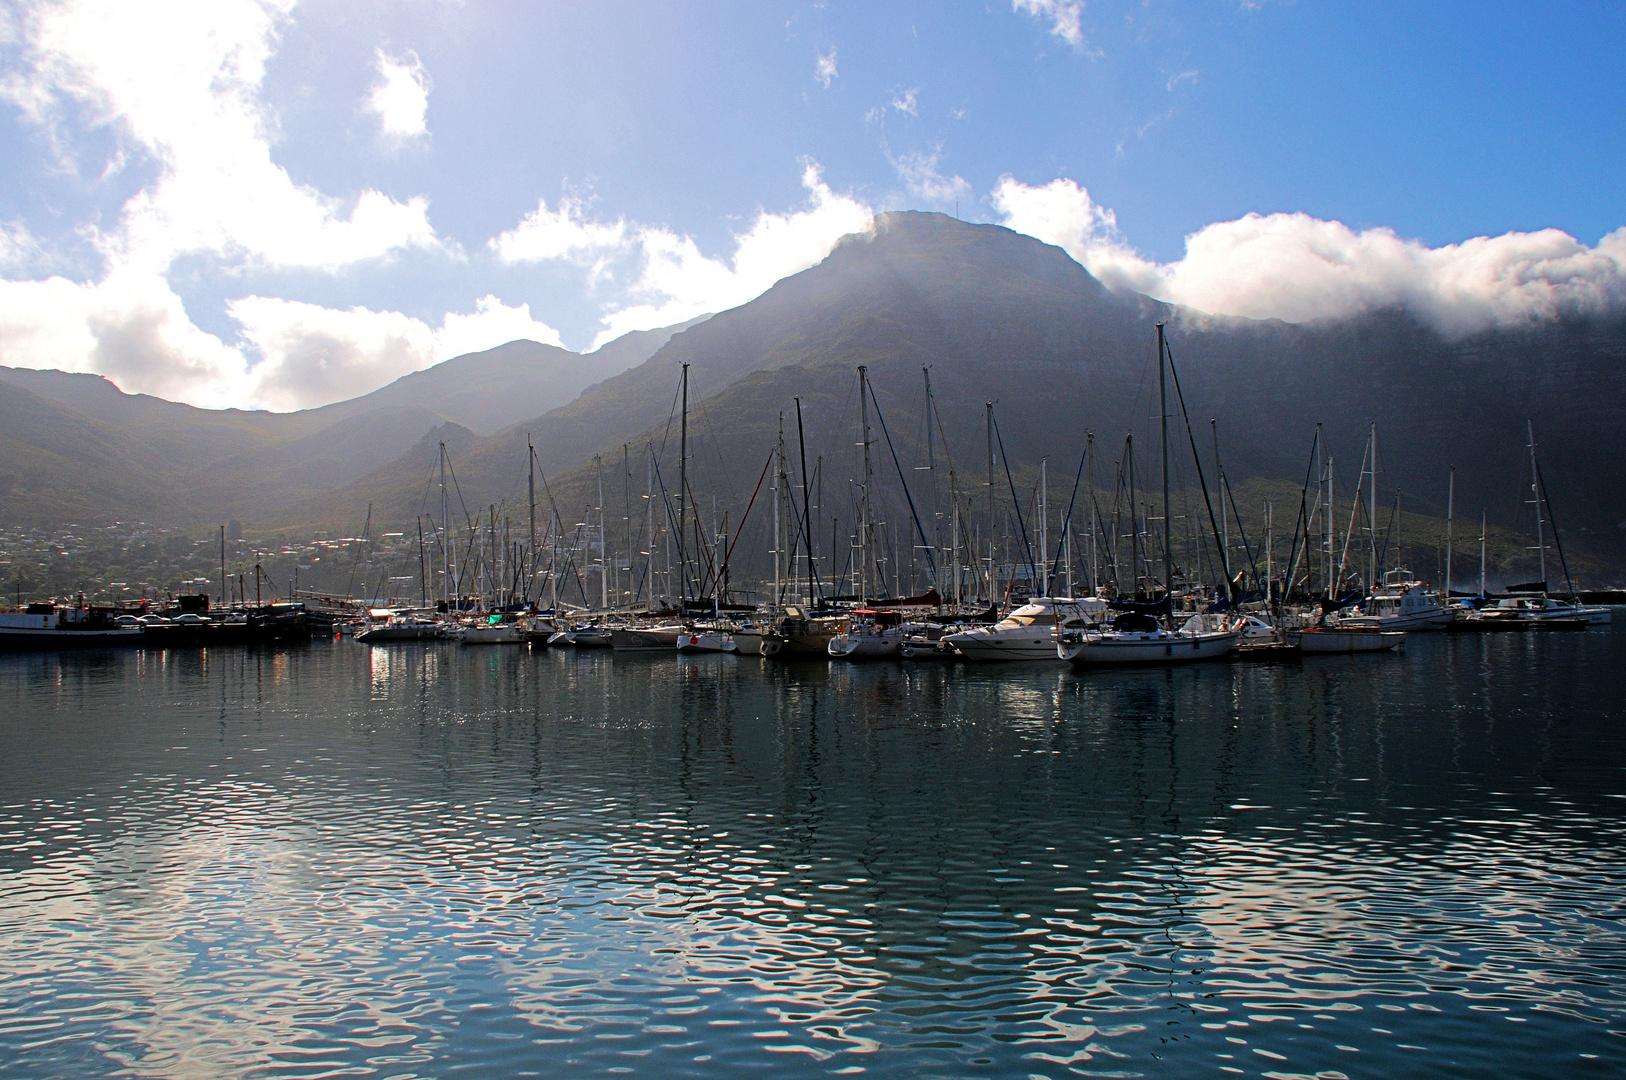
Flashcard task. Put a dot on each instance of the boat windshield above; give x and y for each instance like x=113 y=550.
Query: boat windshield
x=1027 y=615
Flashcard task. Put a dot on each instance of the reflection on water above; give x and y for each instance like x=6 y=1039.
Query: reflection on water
x=416 y=860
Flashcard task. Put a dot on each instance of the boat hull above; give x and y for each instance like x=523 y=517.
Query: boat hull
x=661 y=639
x=493 y=635
x=706 y=641
x=1111 y=648
x=998 y=647
x=864 y=647
x=1344 y=641
x=21 y=638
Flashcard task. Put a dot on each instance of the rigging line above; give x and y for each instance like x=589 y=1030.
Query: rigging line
x=671 y=521
x=711 y=565
x=727 y=555
x=1230 y=588
x=670 y=413
x=930 y=560
x=1548 y=499
x=1304 y=514
x=1033 y=569
x=1253 y=563
x=1067 y=519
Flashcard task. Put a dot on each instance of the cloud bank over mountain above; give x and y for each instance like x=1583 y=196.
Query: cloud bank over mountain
x=1301 y=269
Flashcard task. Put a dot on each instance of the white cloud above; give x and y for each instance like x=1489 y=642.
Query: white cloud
x=312 y=355
x=668 y=279
x=905 y=101
x=675 y=282
x=179 y=85
x=1302 y=269
x=130 y=327
x=401 y=97
x=1064 y=16
x=920 y=174
x=565 y=233
x=824 y=68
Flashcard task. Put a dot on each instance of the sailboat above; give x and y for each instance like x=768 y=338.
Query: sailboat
x=1531 y=604
x=1138 y=637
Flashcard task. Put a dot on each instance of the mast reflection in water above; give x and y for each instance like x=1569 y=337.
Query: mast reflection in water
x=421 y=860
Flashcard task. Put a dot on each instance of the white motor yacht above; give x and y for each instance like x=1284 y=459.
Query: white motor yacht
x=1029 y=632
x=1534 y=608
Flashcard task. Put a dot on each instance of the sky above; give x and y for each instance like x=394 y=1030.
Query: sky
x=282 y=203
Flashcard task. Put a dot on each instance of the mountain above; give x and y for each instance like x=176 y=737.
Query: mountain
x=995 y=316
x=81 y=447
x=999 y=316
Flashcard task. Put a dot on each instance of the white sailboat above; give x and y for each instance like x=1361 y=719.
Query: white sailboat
x=1400 y=603
x=869 y=635
x=1134 y=638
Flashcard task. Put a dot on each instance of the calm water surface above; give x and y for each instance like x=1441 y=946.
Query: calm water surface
x=440 y=861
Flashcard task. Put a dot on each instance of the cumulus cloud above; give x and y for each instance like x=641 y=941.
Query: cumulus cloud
x=1302 y=269
x=565 y=233
x=180 y=86
x=400 y=98
x=668 y=278
x=824 y=68
x=1064 y=16
x=311 y=355
x=921 y=176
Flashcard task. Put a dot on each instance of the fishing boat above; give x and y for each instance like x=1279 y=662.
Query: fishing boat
x=1137 y=638
x=1346 y=639
x=1029 y=632
x=1400 y=603
x=51 y=626
x=870 y=634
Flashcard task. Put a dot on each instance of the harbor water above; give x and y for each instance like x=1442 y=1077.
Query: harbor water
x=429 y=860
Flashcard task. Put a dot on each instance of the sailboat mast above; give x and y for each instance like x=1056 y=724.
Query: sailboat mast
x=864 y=503
x=423 y=569
x=1482 y=553
x=1372 y=509
x=1163 y=411
x=1225 y=520
x=445 y=530
x=807 y=504
x=1535 y=498
x=603 y=547
x=989 y=408
x=1450 y=507
x=778 y=499
x=1044 y=524
x=683 y=488
x=530 y=487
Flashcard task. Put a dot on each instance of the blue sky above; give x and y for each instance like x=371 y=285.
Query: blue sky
x=278 y=203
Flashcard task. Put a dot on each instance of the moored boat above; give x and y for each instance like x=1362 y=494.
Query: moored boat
x=1136 y=638
x=870 y=634
x=1029 y=632
x=49 y=626
x=1346 y=639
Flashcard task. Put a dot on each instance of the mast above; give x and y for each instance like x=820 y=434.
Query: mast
x=778 y=498
x=989 y=407
x=1044 y=523
x=807 y=513
x=1482 y=553
x=1163 y=410
x=864 y=503
x=1450 y=506
x=1535 y=498
x=603 y=547
x=423 y=569
x=1372 y=508
x=683 y=487
x=530 y=484
x=1225 y=521
x=445 y=529
x=223 y=586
